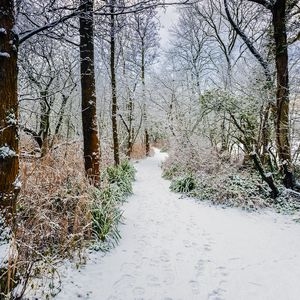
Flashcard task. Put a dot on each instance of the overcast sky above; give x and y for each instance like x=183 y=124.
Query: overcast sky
x=168 y=17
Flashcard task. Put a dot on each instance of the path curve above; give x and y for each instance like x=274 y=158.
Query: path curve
x=174 y=248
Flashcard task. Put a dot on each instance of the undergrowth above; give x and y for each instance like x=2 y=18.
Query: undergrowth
x=59 y=215
x=205 y=175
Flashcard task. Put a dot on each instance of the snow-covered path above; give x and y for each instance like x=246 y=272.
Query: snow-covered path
x=174 y=248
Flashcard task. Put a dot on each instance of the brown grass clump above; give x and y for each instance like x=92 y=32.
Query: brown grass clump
x=138 y=151
x=54 y=202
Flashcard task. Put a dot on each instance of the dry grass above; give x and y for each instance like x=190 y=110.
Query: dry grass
x=53 y=219
x=138 y=151
x=59 y=214
x=54 y=202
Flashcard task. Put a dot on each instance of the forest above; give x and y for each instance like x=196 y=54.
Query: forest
x=150 y=149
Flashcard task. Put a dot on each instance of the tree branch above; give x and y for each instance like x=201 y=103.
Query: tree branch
x=249 y=44
x=265 y=3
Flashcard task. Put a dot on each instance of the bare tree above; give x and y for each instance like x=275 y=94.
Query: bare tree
x=145 y=36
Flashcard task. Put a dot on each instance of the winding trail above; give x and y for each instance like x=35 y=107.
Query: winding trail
x=173 y=248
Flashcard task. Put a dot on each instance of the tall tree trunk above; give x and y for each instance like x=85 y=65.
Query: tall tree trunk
x=44 y=122
x=147 y=141
x=61 y=114
x=88 y=92
x=9 y=139
x=130 y=128
x=114 y=105
x=282 y=94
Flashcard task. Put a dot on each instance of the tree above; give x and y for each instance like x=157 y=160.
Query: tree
x=114 y=104
x=279 y=10
x=88 y=93
x=145 y=37
x=9 y=139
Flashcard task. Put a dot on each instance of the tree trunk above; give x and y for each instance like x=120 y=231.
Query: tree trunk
x=88 y=92
x=61 y=114
x=9 y=139
x=282 y=94
x=267 y=177
x=147 y=142
x=114 y=105
x=130 y=128
x=44 y=122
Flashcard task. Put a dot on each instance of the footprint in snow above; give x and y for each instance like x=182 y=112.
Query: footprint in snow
x=153 y=280
x=124 y=281
x=195 y=287
x=128 y=267
x=207 y=247
x=138 y=291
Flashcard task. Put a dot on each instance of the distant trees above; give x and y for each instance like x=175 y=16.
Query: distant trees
x=231 y=52
x=144 y=26
x=48 y=76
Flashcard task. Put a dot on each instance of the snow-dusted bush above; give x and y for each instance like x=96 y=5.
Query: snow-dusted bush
x=183 y=184
x=122 y=176
x=105 y=211
x=215 y=179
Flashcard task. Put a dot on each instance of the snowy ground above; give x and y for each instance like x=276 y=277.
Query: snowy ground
x=174 y=248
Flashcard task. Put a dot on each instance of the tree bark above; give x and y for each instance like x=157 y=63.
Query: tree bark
x=44 y=122
x=130 y=127
x=88 y=93
x=9 y=139
x=282 y=94
x=267 y=177
x=114 y=104
x=147 y=141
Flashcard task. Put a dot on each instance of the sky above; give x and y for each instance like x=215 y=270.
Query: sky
x=168 y=18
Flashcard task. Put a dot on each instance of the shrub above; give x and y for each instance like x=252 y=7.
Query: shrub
x=106 y=215
x=122 y=176
x=205 y=176
x=105 y=210
x=184 y=184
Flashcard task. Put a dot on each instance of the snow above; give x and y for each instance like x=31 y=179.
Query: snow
x=17 y=183
x=176 y=248
x=15 y=30
x=6 y=152
x=4 y=54
x=3 y=30
x=11 y=119
x=4 y=245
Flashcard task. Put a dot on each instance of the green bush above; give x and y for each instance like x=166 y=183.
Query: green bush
x=122 y=176
x=106 y=215
x=171 y=171
x=105 y=210
x=184 y=184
